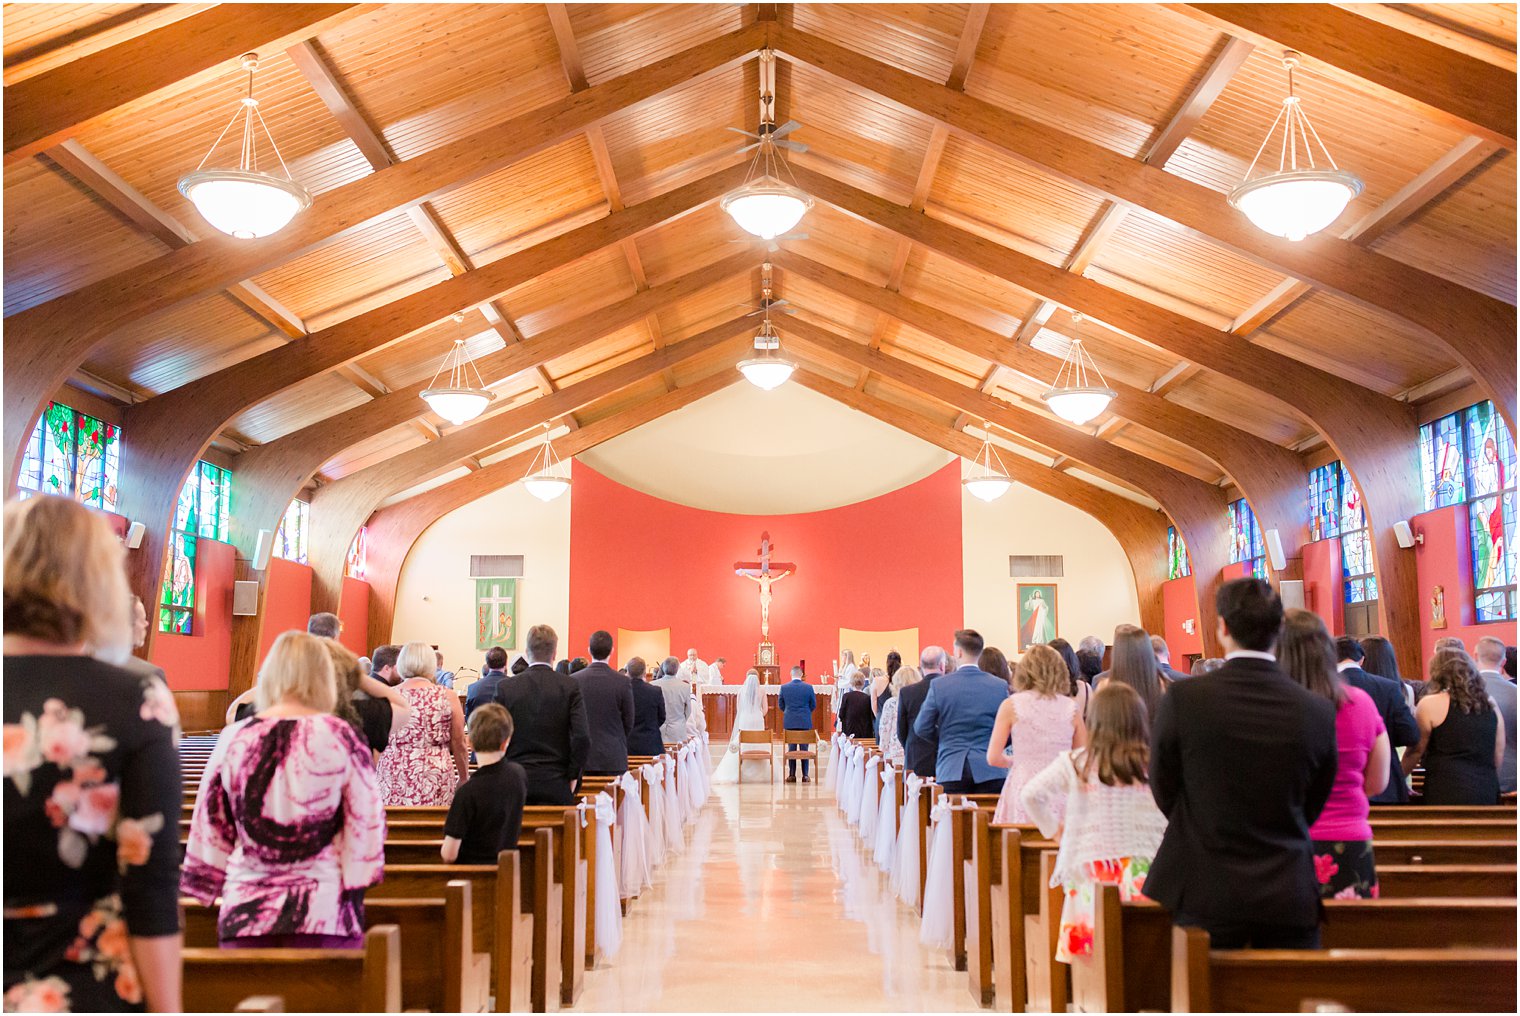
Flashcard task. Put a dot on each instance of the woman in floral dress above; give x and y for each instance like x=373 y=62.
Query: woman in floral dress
x=1097 y=801
x=427 y=760
x=92 y=786
x=1039 y=721
x=288 y=827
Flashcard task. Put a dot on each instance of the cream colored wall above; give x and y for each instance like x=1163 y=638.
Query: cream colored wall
x=1096 y=593
x=435 y=596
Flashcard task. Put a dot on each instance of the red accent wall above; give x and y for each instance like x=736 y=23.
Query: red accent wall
x=1324 y=583
x=1239 y=570
x=353 y=611
x=638 y=562
x=1445 y=559
x=1179 y=603
x=202 y=661
x=287 y=601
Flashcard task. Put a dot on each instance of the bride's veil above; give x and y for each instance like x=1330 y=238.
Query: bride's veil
x=749 y=699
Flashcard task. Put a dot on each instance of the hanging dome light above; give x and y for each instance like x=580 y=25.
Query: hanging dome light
x=1295 y=202
x=766 y=205
x=767 y=369
x=458 y=401
x=1074 y=397
x=549 y=477
x=245 y=202
x=988 y=479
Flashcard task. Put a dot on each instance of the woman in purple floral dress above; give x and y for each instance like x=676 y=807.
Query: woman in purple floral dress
x=288 y=828
x=92 y=786
x=427 y=759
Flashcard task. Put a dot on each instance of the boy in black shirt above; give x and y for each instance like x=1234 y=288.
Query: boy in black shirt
x=486 y=815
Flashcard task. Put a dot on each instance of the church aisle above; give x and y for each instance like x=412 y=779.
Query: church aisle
x=772 y=907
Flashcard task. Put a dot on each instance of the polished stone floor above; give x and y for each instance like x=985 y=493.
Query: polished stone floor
x=773 y=907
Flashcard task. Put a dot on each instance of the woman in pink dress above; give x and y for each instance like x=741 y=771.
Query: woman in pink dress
x=427 y=760
x=1040 y=719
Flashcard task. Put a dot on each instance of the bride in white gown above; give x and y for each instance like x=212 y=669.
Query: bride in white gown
x=751 y=716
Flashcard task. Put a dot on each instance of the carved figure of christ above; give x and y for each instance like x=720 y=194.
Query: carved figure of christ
x=764 y=574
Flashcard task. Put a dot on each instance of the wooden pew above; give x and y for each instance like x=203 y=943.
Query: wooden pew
x=1389 y=829
x=1443 y=851
x=1423 y=880
x=1014 y=893
x=310 y=980
x=1132 y=942
x=508 y=899
x=441 y=971
x=1369 y=980
x=575 y=858
x=1444 y=811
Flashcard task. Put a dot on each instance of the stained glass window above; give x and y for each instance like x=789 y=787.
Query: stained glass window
x=1177 y=564
x=1245 y=538
x=202 y=511
x=1490 y=475
x=1324 y=501
x=290 y=538
x=1335 y=509
x=73 y=455
x=1441 y=462
x=357 y=552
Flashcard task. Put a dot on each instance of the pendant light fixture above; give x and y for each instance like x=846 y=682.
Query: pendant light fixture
x=766 y=205
x=458 y=401
x=1075 y=397
x=1296 y=201
x=246 y=202
x=988 y=479
x=549 y=476
x=767 y=369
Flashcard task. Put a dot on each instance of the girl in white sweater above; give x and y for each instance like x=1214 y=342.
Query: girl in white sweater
x=1097 y=802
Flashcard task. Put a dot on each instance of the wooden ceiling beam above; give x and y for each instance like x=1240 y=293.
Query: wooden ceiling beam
x=1477 y=330
x=48 y=109
x=1141 y=531
x=1411 y=72
x=1437 y=178
x=46 y=343
x=1430 y=24
x=394 y=529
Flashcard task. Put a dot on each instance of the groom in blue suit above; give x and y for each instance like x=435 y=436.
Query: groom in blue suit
x=959 y=712
x=797 y=702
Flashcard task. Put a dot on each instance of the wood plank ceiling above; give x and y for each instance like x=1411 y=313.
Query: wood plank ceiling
x=1185 y=94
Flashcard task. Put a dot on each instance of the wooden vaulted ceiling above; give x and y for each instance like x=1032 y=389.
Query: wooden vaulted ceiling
x=933 y=128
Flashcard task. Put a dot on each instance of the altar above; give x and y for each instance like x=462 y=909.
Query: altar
x=720 y=704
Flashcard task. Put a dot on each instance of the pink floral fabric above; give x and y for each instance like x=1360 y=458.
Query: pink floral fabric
x=417 y=767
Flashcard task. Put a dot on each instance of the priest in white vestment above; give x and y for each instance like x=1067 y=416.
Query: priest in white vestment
x=715 y=672
x=694 y=669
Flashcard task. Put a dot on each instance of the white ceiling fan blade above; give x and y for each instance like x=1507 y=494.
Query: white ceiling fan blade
x=785 y=129
x=792 y=146
x=746 y=148
x=741 y=130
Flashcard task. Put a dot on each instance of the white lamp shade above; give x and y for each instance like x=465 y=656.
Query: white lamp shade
x=766 y=372
x=243 y=204
x=767 y=208
x=1297 y=203
x=987 y=488
x=546 y=488
x=1078 y=405
x=457 y=405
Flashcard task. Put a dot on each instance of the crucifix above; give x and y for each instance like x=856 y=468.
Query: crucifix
x=764 y=573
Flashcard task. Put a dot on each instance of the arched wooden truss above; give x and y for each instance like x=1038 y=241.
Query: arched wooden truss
x=554 y=203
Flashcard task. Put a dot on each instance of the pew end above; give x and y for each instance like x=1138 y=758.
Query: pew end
x=312 y=980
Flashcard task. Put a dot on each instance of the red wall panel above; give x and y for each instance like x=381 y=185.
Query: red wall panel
x=1324 y=583
x=638 y=562
x=287 y=601
x=1179 y=603
x=202 y=661
x=353 y=611
x=1445 y=559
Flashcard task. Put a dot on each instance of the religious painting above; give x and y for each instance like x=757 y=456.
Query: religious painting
x=1037 y=613
x=1438 y=607
x=495 y=613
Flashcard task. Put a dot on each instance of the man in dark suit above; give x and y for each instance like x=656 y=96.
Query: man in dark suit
x=484 y=688
x=1164 y=660
x=797 y=700
x=1388 y=695
x=609 y=708
x=551 y=736
x=648 y=712
x=959 y=712
x=1241 y=765
x=919 y=752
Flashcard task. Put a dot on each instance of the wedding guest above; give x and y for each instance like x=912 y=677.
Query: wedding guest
x=1079 y=688
x=958 y=714
x=1134 y=663
x=1398 y=720
x=486 y=814
x=427 y=760
x=1461 y=737
x=1040 y=720
x=918 y=751
x=994 y=662
x=1488 y=653
x=1379 y=658
x=608 y=698
x=855 y=719
x=891 y=745
x=648 y=713
x=552 y=734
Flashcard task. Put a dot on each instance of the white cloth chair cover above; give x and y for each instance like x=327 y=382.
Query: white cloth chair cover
x=852 y=785
x=654 y=776
x=904 y=880
x=675 y=841
x=694 y=783
x=885 y=851
x=633 y=840
x=609 y=911
x=831 y=776
x=869 y=792
x=936 y=928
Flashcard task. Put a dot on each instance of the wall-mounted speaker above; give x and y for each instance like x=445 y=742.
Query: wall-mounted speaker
x=1275 y=556
x=1406 y=535
x=1291 y=592
x=245 y=599
x=135 y=533
x=264 y=550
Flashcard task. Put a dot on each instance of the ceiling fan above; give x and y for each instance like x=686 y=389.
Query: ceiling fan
x=775 y=135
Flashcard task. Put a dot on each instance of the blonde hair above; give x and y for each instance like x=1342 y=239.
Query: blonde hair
x=1042 y=671
x=65 y=580
x=416 y=660
x=346 y=673
x=904 y=677
x=298 y=667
